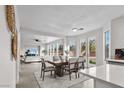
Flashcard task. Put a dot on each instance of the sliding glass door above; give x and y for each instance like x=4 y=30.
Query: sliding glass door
x=91 y=51
x=72 y=48
x=83 y=50
x=107 y=44
x=88 y=51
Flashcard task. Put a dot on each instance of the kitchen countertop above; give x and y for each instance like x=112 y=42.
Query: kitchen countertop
x=113 y=74
x=116 y=60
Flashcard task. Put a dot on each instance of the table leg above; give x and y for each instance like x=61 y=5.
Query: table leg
x=59 y=71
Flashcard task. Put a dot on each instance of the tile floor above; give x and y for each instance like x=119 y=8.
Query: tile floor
x=27 y=79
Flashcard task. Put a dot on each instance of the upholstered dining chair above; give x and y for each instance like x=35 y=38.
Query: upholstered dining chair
x=46 y=68
x=56 y=58
x=62 y=58
x=72 y=66
x=81 y=61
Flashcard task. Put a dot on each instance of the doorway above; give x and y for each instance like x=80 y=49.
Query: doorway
x=88 y=51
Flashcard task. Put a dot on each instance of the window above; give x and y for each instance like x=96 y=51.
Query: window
x=60 y=49
x=32 y=52
x=107 y=44
x=52 y=50
x=83 y=48
x=91 y=51
x=55 y=49
x=49 y=50
x=72 y=48
x=88 y=51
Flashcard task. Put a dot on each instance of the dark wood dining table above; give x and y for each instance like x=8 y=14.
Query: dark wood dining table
x=59 y=67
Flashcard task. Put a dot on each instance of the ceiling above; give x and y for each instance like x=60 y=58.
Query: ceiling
x=59 y=20
x=30 y=39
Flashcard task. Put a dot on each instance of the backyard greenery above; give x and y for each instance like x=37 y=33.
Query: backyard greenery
x=92 y=47
x=92 y=62
x=83 y=48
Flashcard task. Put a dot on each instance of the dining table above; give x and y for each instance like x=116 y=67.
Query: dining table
x=59 y=67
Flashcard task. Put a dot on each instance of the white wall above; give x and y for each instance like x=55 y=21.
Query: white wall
x=18 y=68
x=7 y=65
x=117 y=34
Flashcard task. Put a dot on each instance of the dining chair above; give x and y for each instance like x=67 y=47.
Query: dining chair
x=80 y=61
x=63 y=58
x=72 y=66
x=56 y=58
x=46 y=68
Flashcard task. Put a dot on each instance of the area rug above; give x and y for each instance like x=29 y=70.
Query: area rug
x=60 y=82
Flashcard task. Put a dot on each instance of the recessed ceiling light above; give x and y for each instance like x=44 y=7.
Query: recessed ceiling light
x=81 y=29
x=74 y=29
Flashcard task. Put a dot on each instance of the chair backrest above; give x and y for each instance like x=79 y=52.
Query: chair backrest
x=61 y=58
x=56 y=58
x=49 y=58
x=43 y=65
x=81 y=61
x=72 y=63
x=73 y=59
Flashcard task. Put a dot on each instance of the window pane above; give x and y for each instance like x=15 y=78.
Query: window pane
x=83 y=48
x=32 y=52
x=92 y=47
x=72 y=48
x=107 y=44
x=92 y=52
x=55 y=49
x=60 y=49
x=49 y=50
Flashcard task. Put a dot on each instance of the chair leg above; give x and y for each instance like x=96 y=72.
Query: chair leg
x=76 y=74
x=43 y=75
x=62 y=72
x=70 y=75
x=83 y=65
x=51 y=73
x=55 y=74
